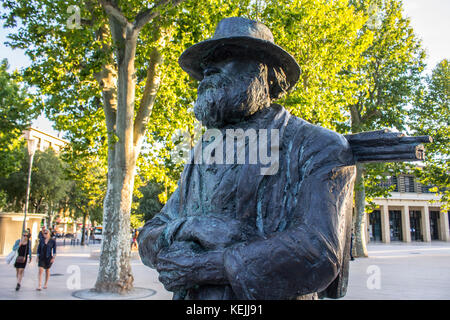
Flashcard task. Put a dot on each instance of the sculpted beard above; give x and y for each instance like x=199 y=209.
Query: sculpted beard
x=222 y=100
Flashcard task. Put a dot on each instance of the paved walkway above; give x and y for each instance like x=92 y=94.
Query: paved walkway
x=417 y=270
x=394 y=271
x=63 y=276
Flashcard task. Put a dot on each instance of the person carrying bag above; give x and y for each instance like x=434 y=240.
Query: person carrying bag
x=11 y=256
x=23 y=249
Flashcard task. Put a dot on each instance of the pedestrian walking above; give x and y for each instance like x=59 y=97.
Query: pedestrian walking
x=23 y=247
x=41 y=234
x=134 y=240
x=46 y=256
x=351 y=246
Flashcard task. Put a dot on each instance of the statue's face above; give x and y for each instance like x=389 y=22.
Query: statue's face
x=231 y=91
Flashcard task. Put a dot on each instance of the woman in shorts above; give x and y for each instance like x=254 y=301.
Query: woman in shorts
x=46 y=256
x=23 y=248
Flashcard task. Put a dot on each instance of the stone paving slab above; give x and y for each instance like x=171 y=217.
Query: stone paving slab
x=395 y=271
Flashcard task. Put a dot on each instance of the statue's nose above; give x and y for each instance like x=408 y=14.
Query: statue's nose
x=210 y=71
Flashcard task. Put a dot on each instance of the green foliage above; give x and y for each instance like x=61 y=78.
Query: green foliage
x=3 y=200
x=325 y=38
x=391 y=72
x=64 y=61
x=193 y=22
x=149 y=203
x=357 y=75
x=49 y=184
x=136 y=221
x=66 y=64
x=16 y=112
x=431 y=116
x=378 y=178
x=88 y=174
x=389 y=77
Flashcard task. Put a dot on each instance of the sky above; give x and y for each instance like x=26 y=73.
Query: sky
x=429 y=19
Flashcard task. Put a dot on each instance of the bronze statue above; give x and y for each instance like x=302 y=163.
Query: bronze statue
x=237 y=230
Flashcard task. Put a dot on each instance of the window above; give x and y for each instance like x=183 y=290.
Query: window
x=395 y=225
x=409 y=184
x=394 y=181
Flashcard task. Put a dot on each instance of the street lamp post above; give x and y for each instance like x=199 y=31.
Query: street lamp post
x=31 y=144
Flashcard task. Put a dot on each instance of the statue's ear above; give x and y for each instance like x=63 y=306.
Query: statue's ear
x=278 y=85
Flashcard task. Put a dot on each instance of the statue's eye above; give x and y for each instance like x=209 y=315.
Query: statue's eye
x=210 y=70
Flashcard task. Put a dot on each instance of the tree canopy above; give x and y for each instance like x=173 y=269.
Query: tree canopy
x=16 y=112
x=430 y=115
x=49 y=183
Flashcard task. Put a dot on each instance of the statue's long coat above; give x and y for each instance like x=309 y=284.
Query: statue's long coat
x=294 y=225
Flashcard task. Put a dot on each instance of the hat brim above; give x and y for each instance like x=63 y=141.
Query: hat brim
x=195 y=58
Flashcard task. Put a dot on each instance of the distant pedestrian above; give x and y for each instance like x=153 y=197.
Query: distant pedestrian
x=41 y=234
x=351 y=246
x=46 y=256
x=134 y=240
x=78 y=237
x=23 y=247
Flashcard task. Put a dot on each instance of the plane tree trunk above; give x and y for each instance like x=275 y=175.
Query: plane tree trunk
x=126 y=128
x=359 y=226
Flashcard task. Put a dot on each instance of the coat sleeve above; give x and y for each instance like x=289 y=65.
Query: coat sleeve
x=16 y=245
x=306 y=256
x=38 y=252
x=159 y=232
x=29 y=248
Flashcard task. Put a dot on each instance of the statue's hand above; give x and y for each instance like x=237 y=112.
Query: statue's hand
x=182 y=267
x=210 y=232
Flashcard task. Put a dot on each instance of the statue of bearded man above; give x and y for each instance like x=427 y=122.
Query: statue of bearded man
x=234 y=230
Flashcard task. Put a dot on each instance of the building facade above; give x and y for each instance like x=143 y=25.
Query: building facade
x=44 y=139
x=412 y=213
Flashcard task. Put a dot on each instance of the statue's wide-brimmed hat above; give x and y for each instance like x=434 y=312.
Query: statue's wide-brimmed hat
x=239 y=37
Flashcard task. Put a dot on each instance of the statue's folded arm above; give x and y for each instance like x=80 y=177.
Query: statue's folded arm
x=309 y=254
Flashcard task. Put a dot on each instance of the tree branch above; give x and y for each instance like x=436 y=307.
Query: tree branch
x=147 y=15
x=355 y=118
x=112 y=10
x=366 y=117
x=148 y=97
x=106 y=79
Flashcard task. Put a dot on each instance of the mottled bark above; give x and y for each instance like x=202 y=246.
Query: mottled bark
x=115 y=271
x=359 y=245
x=125 y=134
x=359 y=226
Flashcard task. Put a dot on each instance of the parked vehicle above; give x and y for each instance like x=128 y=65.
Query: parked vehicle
x=98 y=231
